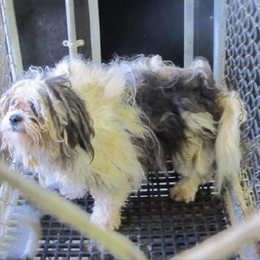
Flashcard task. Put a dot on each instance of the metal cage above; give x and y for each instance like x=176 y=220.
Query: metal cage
x=158 y=226
x=242 y=73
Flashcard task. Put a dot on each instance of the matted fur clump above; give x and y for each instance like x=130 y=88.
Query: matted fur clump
x=89 y=128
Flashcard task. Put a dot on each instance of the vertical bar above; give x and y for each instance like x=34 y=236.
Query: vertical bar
x=94 y=30
x=71 y=27
x=188 y=32
x=13 y=45
x=5 y=76
x=219 y=41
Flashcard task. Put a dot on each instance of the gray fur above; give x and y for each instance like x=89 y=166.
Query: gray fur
x=79 y=124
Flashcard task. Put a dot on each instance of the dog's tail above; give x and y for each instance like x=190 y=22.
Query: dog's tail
x=227 y=148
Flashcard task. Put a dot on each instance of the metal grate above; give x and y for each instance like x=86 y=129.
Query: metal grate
x=158 y=225
x=242 y=73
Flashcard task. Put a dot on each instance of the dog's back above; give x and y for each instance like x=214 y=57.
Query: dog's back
x=188 y=114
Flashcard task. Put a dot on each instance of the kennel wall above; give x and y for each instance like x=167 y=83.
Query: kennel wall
x=242 y=73
x=158 y=226
x=238 y=68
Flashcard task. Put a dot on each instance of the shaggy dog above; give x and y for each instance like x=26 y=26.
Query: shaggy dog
x=97 y=128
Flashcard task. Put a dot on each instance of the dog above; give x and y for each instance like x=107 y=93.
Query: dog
x=98 y=128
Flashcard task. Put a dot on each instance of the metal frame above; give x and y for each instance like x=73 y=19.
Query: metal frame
x=72 y=43
x=5 y=76
x=94 y=30
x=219 y=42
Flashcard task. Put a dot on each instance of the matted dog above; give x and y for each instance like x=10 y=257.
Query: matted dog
x=86 y=127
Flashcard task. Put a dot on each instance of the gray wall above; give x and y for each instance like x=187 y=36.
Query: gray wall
x=128 y=27
x=154 y=27
x=42 y=28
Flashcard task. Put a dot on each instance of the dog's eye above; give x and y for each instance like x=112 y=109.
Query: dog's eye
x=13 y=102
x=33 y=108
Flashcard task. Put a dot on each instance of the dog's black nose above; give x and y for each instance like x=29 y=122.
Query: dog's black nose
x=15 y=119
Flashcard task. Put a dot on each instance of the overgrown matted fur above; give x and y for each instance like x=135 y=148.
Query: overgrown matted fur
x=86 y=127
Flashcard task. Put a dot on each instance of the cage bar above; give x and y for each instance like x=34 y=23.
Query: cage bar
x=219 y=42
x=5 y=76
x=94 y=31
x=188 y=32
x=72 y=43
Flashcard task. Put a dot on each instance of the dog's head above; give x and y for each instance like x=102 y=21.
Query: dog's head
x=44 y=112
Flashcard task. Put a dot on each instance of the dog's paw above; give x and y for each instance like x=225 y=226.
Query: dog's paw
x=181 y=193
x=72 y=193
x=106 y=221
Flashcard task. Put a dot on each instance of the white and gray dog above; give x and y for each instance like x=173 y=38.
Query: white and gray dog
x=96 y=128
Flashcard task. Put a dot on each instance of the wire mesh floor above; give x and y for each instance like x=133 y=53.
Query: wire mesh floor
x=158 y=225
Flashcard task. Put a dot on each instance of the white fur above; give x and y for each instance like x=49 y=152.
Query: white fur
x=115 y=168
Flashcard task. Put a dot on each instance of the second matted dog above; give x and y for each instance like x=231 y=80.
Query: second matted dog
x=85 y=127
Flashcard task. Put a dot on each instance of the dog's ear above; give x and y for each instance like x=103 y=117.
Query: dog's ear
x=79 y=127
x=199 y=74
x=203 y=70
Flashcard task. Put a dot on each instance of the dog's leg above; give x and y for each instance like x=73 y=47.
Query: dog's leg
x=196 y=168
x=73 y=191
x=195 y=159
x=185 y=190
x=107 y=207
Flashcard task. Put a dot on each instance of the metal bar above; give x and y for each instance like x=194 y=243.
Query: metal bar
x=219 y=42
x=5 y=76
x=94 y=30
x=13 y=45
x=239 y=212
x=188 y=32
x=71 y=28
